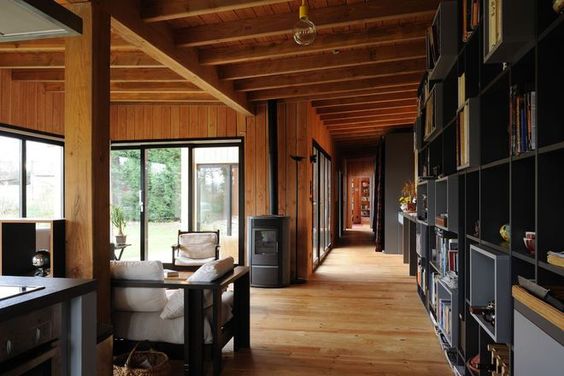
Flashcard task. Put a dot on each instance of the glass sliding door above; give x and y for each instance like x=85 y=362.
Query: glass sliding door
x=216 y=195
x=125 y=183
x=164 y=169
x=315 y=205
x=321 y=204
x=10 y=177
x=44 y=180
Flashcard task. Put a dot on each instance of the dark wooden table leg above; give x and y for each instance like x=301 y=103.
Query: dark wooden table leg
x=194 y=320
x=216 y=330
x=242 y=313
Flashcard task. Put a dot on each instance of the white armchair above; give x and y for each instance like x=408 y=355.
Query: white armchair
x=195 y=248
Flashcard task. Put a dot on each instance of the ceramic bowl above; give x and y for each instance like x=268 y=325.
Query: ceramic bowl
x=530 y=245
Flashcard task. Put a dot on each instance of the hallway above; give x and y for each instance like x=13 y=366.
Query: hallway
x=360 y=315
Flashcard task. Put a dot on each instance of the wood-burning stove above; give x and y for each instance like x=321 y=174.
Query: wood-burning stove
x=269 y=250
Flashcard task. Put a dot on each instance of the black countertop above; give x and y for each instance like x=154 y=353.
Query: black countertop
x=56 y=290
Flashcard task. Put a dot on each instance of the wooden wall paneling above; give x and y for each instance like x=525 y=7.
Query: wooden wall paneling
x=231 y=123
x=212 y=121
x=261 y=161
x=282 y=159
x=222 y=122
x=5 y=97
x=175 y=124
x=305 y=216
x=250 y=167
x=291 y=142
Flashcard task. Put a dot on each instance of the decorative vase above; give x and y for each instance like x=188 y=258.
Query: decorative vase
x=558 y=6
x=505 y=232
x=121 y=239
x=42 y=263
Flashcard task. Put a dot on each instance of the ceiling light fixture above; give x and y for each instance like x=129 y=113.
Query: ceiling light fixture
x=304 y=30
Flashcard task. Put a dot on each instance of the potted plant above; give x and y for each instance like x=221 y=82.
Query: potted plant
x=407 y=198
x=119 y=222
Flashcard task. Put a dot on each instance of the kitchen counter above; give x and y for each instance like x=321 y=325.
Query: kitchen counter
x=61 y=316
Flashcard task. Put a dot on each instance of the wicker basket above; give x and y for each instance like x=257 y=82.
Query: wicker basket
x=129 y=364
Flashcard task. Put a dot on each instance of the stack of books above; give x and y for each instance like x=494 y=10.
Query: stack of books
x=444 y=316
x=433 y=44
x=522 y=120
x=494 y=23
x=470 y=18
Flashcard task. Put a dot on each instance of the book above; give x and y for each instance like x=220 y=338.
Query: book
x=522 y=120
x=461 y=90
x=168 y=273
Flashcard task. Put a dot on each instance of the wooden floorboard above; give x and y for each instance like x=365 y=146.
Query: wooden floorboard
x=360 y=315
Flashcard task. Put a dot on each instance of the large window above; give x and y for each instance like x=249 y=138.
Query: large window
x=321 y=204
x=183 y=186
x=31 y=177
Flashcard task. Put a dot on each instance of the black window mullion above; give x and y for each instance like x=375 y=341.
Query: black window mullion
x=23 y=171
x=190 y=189
x=143 y=218
x=229 y=198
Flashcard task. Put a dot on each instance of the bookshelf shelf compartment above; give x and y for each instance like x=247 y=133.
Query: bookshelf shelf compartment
x=442 y=45
x=495 y=197
x=490 y=280
x=508 y=29
x=468 y=135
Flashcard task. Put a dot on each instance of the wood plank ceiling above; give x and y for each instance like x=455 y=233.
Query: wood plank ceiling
x=361 y=73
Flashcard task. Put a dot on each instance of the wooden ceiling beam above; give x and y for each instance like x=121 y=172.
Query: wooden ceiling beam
x=364 y=99
x=369 y=126
x=137 y=87
x=389 y=111
x=358 y=93
x=375 y=36
x=165 y=10
x=334 y=87
x=324 y=18
x=403 y=103
x=332 y=75
x=162 y=97
x=57 y=44
x=116 y=74
x=123 y=59
x=157 y=41
x=347 y=58
x=376 y=118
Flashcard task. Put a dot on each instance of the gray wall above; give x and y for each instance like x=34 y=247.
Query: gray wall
x=398 y=169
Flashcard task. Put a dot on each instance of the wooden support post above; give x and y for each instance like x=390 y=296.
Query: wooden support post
x=87 y=101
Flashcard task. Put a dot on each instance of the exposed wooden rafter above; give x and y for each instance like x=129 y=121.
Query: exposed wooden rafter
x=123 y=59
x=370 y=113
x=328 y=17
x=157 y=41
x=374 y=36
x=116 y=74
x=404 y=103
x=362 y=99
x=137 y=87
x=332 y=75
x=408 y=116
x=164 y=10
x=339 y=59
x=334 y=87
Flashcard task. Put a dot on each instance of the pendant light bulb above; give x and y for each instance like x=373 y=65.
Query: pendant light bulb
x=304 y=30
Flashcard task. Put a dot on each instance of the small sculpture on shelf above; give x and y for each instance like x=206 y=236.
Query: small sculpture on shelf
x=558 y=6
x=477 y=228
x=41 y=261
x=505 y=232
x=487 y=312
x=407 y=199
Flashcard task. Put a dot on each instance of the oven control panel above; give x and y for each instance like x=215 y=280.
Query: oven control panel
x=23 y=333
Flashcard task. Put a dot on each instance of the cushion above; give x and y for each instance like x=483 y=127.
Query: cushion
x=141 y=326
x=135 y=299
x=206 y=273
x=213 y=270
x=185 y=261
x=197 y=245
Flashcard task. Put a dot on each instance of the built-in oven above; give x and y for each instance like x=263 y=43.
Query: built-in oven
x=30 y=344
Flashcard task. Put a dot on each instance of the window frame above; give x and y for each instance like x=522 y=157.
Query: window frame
x=190 y=144
x=25 y=135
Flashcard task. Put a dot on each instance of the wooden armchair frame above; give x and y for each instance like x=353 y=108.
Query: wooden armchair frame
x=176 y=247
x=237 y=328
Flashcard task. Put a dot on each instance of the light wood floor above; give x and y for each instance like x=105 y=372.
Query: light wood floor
x=360 y=315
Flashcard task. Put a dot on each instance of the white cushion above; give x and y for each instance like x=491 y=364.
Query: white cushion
x=213 y=270
x=140 y=326
x=135 y=299
x=207 y=273
x=184 y=261
x=197 y=245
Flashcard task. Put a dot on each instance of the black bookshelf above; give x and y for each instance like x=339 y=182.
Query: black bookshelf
x=512 y=171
